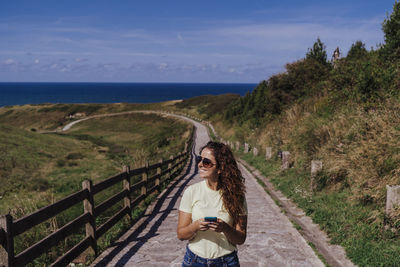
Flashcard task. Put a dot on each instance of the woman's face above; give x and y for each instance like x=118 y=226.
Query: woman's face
x=211 y=172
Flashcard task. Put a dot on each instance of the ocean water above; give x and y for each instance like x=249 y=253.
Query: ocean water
x=37 y=93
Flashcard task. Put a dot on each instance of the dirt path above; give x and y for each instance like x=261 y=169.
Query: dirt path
x=69 y=125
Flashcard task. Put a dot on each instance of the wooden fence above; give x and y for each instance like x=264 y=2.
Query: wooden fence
x=9 y=229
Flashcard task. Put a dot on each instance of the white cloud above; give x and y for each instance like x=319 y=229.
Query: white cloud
x=251 y=50
x=163 y=66
x=10 y=61
x=79 y=60
x=137 y=34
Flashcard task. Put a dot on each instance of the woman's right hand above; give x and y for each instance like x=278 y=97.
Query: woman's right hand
x=201 y=225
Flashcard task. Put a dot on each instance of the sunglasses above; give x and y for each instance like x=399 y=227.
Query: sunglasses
x=206 y=162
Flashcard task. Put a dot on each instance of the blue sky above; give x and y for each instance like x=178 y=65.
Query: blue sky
x=175 y=41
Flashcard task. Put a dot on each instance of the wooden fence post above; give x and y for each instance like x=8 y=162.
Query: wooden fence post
x=7 y=241
x=169 y=167
x=158 y=179
x=392 y=198
x=126 y=184
x=237 y=145
x=145 y=175
x=88 y=206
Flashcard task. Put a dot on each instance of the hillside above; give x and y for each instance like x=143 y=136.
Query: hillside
x=345 y=113
x=43 y=117
x=38 y=168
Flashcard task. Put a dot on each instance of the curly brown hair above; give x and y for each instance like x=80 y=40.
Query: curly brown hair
x=230 y=180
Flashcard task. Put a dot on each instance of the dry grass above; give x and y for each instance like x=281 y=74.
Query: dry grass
x=360 y=150
x=364 y=145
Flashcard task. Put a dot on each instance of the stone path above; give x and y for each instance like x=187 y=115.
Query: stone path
x=271 y=241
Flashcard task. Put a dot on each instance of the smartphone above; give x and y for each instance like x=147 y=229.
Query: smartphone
x=210 y=219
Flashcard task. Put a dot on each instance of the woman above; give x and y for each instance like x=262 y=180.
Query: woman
x=220 y=195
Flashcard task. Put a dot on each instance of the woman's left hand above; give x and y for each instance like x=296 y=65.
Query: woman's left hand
x=218 y=226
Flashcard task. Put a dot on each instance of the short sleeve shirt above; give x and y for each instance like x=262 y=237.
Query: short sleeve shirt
x=201 y=201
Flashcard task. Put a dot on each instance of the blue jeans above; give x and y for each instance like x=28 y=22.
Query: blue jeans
x=192 y=260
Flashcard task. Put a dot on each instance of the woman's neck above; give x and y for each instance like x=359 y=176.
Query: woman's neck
x=213 y=185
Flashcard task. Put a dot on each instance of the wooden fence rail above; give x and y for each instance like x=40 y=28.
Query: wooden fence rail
x=9 y=229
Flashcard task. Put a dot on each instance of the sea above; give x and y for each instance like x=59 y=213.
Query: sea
x=17 y=93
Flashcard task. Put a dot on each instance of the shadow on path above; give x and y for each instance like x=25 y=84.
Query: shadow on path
x=134 y=237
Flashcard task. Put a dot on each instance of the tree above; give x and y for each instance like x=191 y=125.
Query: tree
x=357 y=51
x=318 y=52
x=391 y=29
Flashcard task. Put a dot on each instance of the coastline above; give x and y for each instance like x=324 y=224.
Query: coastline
x=110 y=93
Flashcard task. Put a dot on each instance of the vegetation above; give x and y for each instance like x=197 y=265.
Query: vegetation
x=39 y=169
x=47 y=117
x=347 y=114
x=206 y=106
x=357 y=226
x=391 y=29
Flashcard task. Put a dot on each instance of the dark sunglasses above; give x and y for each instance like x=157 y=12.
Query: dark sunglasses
x=206 y=162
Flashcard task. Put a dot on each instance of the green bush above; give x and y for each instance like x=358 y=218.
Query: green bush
x=208 y=105
x=72 y=156
x=318 y=52
x=391 y=29
x=302 y=79
x=61 y=163
x=357 y=51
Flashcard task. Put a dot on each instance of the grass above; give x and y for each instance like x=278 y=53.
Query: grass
x=34 y=166
x=359 y=147
x=131 y=138
x=206 y=106
x=359 y=228
x=316 y=252
x=39 y=169
x=52 y=116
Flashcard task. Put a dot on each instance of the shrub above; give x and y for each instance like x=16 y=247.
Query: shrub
x=302 y=78
x=72 y=156
x=318 y=52
x=367 y=84
x=61 y=163
x=391 y=29
x=357 y=51
x=56 y=107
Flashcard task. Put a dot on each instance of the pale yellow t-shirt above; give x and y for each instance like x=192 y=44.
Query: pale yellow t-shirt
x=201 y=201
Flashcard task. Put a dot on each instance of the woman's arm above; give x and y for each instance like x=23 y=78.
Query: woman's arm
x=186 y=228
x=236 y=235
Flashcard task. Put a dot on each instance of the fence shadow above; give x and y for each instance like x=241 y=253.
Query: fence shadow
x=156 y=211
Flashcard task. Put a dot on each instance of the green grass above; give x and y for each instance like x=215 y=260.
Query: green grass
x=131 y=138
x=52 y=116
x=39 y=169
x=206 y=106
x=36 y=166
x=316 y=252
x=354 y=225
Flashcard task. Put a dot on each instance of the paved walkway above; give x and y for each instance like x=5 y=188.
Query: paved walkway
x=271 y=241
